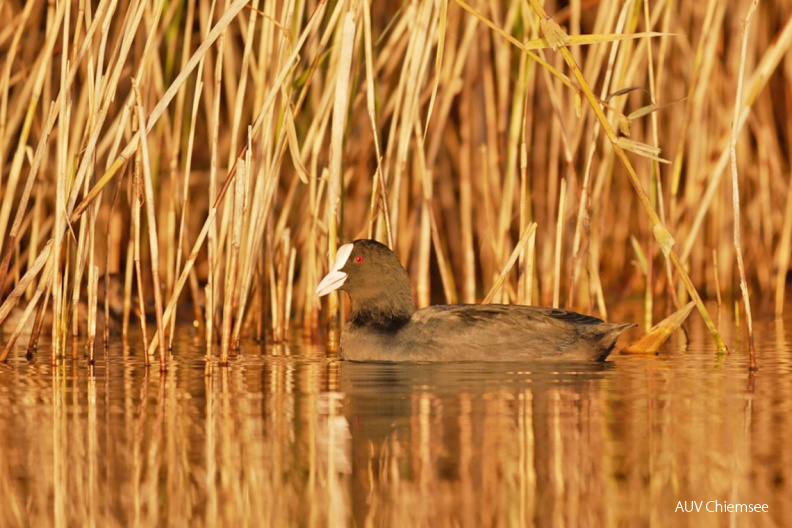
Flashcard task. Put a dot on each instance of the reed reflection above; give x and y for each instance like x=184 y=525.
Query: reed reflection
x=526 y=450
x=297 y=440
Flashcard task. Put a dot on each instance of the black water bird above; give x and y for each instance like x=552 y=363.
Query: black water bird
x=385 y=326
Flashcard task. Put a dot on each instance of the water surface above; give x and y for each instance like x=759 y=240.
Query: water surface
x=286 y=437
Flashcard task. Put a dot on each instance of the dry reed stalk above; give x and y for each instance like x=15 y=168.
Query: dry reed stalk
x=653 y=339
x=714 y=14
x=93 y=285
x=488 y=265
x=183 y=205
x=209 y=323
x=530 y=259
x=717 y=278
x=656 y=181
x=137 y=197
x=511 y=180
x=466 y=219
x=63 y=322
x=784 y=250
x=768 y=63
x=379 y=197
x=528 y=234
x=93 y=281
x=466 y=186
x=736 y=188
x=446 y=272
x=273 y=287
x=106 y=306
x=156 y=112
x=212 y=242
x=5 y=77
x=60 y=197
x=414 y=70
x=81 y=171
x=38 y=324
x=266 y=106
x=148 y=189
x=335 y=185
x=240 y=184
x=43 y=287
x=128 y=274
x=424 y=179
x=21 y=207
x=311 y=309
x=558 y=239
x=40 y=228
x=282 y=287
x=37 y=79
x=584 y=205
x=646 y=267
x=16 y=294
x=289 y=290
x=78 y=271
x=660 y=231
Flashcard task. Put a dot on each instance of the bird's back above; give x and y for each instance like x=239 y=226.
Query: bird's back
x=474 y=332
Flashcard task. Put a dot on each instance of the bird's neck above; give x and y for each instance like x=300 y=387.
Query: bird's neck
x=390 y=311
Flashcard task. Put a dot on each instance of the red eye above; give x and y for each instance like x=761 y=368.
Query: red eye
x=359 y=259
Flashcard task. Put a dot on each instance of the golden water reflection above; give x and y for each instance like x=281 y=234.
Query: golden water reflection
x=304 y=441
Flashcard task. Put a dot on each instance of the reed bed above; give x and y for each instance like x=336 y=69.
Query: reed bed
x=208 y=158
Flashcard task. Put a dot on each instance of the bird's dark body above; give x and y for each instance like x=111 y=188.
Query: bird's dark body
x=384 y=325
x=475 y=332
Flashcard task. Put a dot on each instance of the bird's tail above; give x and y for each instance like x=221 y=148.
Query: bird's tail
x=608 y=335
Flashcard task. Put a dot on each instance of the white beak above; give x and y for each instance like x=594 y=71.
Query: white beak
x=335 y=278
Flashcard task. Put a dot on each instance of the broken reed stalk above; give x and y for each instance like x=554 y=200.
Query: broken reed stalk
x=736 y=187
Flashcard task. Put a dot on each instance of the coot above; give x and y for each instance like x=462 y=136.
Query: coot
x=385 y=326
